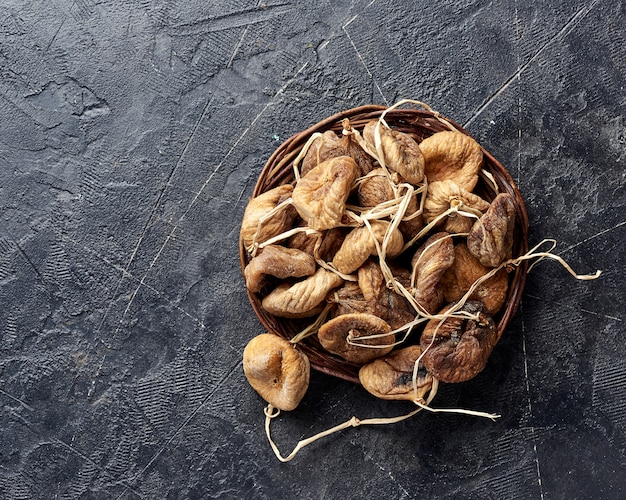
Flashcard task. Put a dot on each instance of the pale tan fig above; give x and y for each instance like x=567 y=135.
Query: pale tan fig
x=320 y=196
x=253 y=229
x=339 y=336
x=391 y=377
x=278 y=261
x=301 y=298
x=360 y=243
x=378 y=187
x=277 y=370
x=325 y=243
x=330 y=145
x=442 y=195
x=454 y=156
x=401 y=153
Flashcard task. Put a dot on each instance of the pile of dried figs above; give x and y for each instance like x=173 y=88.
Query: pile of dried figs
x=383 y=243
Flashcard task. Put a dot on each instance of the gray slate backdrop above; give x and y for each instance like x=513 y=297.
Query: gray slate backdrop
x=131 y=136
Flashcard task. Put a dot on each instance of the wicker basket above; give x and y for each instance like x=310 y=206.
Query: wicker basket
x=420 y=124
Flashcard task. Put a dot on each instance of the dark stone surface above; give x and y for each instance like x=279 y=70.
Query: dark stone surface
x=131 y=136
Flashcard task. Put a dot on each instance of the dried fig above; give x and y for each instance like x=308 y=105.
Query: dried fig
x=253 y=229
x=277 y=370
x=364 y=162
x=329 y=242
x=320 y=196
x=280 y=262
x=442 y=195
x=301 y=298
x=410 y=227
x=348 y=299
x=391 y=377
x=375 y=188
x=451 y=155
x=360 y=244
x=371 y=281
x=337 y=334
x=429 y=263
x=465 y=270
x=491 y=237
x=382 y=301
x=401 y=153
x=458 y=349
x=304 y=242
x=330 y=145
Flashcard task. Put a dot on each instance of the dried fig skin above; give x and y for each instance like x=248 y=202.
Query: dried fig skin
x=401 y=153
x=411 y=227
x=276 y=370
x=330 y=243
x=375 y=189
x=334 y=334
x=301 y=299
x=491 y=238
x=330 y=145
x=280 y=262
x=465 y=270
x=320 y=196
x=371 y=280
x=441 y=195
x=461 y=347
x=382 y=301
x=259 y=207
x=325 y=147
x=452 y=155
x=430 y=262
x=359 y=245
x=391 y=377
x=365 y=163
x=348 y=299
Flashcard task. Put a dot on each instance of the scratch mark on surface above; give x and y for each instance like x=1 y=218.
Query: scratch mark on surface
x=519 y=99
x=166 y=185
x=595 y=236
x=92 y=387
x=358 y=54
x=189 y=418
x=232 y=20
x=90 y=461
x=129 y=275
x=17 y=400
x=202 y=188
x=241 y=39
x=368 y=456
x=360 y=57
x=569 y=26
x=587 y=311
x=54 y=37
x=530 y=404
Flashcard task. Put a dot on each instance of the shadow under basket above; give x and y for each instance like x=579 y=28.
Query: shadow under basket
x=419 y=123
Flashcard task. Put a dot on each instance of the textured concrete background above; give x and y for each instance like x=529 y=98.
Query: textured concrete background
x=131 y=134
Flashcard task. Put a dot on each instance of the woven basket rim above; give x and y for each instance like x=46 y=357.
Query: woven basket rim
x=279 y=168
